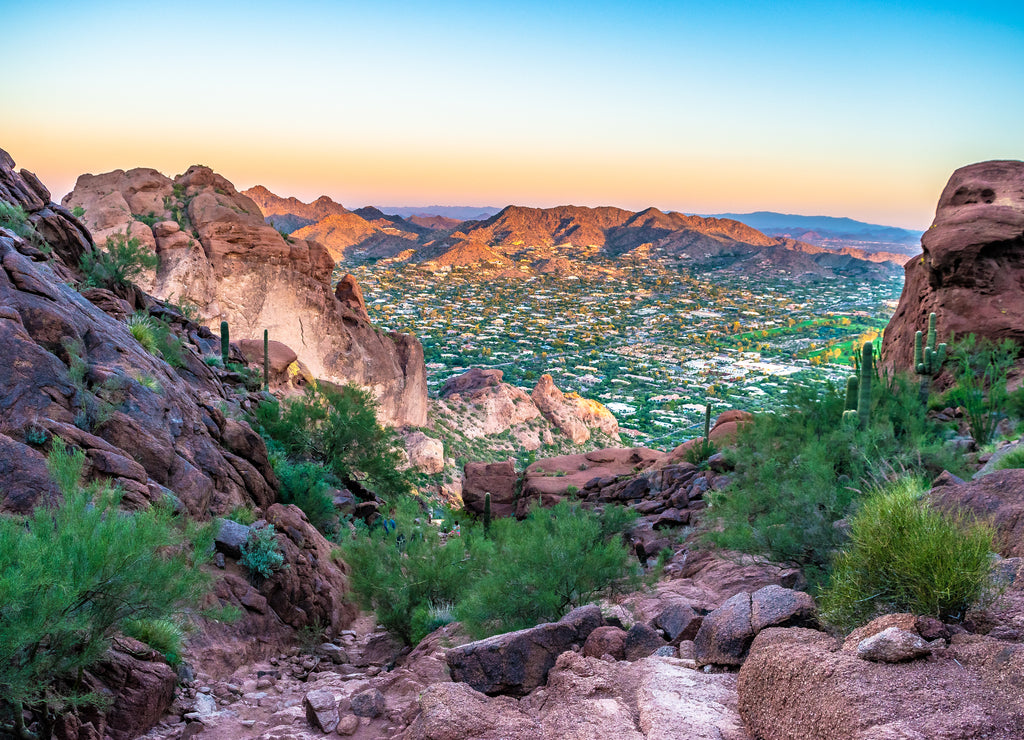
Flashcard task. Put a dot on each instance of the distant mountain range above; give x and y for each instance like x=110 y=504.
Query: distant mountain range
x=458 y=213
x=567 y=240
x=830 y=231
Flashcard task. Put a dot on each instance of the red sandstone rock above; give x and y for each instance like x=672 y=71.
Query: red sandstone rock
x=972 y=263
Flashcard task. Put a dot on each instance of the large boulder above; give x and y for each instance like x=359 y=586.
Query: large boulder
x=797 y=684
x=498 y=479
x=516 y=663
x=726 y=633
x=972 y=264
x=574 y=415
x=217 y=253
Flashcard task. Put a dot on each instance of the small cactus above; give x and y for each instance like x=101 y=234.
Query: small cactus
x=867 y=373
x=928 y=358
x=487 y=514
x=852 y=383
x=225 y=343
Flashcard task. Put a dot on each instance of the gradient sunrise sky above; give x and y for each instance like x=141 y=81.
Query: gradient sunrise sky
x=858 y=109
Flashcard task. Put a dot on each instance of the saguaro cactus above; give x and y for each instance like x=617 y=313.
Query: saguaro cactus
x=850 y=416
x=487 y=514
x=867 y=374
x=928 y=358
x=225 y=343
x=266 y=360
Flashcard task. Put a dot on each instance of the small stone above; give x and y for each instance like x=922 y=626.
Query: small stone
x=348 y=725
x=666 y=651
x=892 y=645
x=368 y=703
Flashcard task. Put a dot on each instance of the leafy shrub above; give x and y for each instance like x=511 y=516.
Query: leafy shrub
x=119 y=263
x=149 y=219
x=163 y=635
x=399 y=570
x=1012 y=459
x=981 y=370
x=306 y=484
x=338 y=427
x=799 y=470
x=429 y=617
x=906 y=556
x=260 y=553
x=78 y=211
x=14 y=218
x=536 y=570
x=74 y=574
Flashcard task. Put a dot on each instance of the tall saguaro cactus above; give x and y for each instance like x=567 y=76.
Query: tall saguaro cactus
x=225 y=343
x=867 y=374
x=850 y=416
x=928 y=358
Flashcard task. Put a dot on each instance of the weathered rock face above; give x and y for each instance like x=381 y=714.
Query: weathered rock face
x=797 y=684
x=998 y=496
x=217 y=252
x=972 y=263
x=572 y=414
x=517 y=662
x=498 y=479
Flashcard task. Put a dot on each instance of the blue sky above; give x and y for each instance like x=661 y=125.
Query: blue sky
x=854 y=109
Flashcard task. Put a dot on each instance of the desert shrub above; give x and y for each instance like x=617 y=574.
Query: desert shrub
x=906 y=556
x=399 y=570
x=537 y=569
x=261 y=555
x=339 y=428
x=1012 y=459
x=14 y=218
x=143 y=330
x=78 y=211
x=307 y=485
x=242 y=514
x=121 y=261
x=799 y=470
x=429 y=617
x=981 y=369
x=163 y=635
x=74 y=574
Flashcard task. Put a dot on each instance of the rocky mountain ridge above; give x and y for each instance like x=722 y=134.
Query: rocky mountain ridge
x=521 y=241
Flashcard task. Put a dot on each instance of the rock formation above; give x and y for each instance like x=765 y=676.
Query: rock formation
x=972 y=263
x=160 y=432
x=217 y=253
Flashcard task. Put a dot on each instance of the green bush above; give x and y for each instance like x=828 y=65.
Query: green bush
x=121 y=261
x=537 y=569
x=14 y=218
x=981 y=372
x=1012 y=459
x=143 y=329
x=163 y=635
x=800 y=470
x=906 y=556
x=74 y=574
x=307 y=485
x=398 y=572
x=260 y=553
x=242 y=514
x=338 y=427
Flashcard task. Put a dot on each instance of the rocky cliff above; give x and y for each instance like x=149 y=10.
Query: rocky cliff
x=972 y=263
x=161 y=432
x=217 y=253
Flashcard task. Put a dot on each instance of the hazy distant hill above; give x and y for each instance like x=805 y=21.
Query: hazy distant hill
x=457 y=213
x=564 y=240
x=289 y=214
x=832 y=232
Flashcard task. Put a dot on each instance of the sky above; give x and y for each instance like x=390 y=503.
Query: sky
x=859 y=109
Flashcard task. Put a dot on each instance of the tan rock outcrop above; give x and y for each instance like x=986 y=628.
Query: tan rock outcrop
x=574 y=415
x=217 y=253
